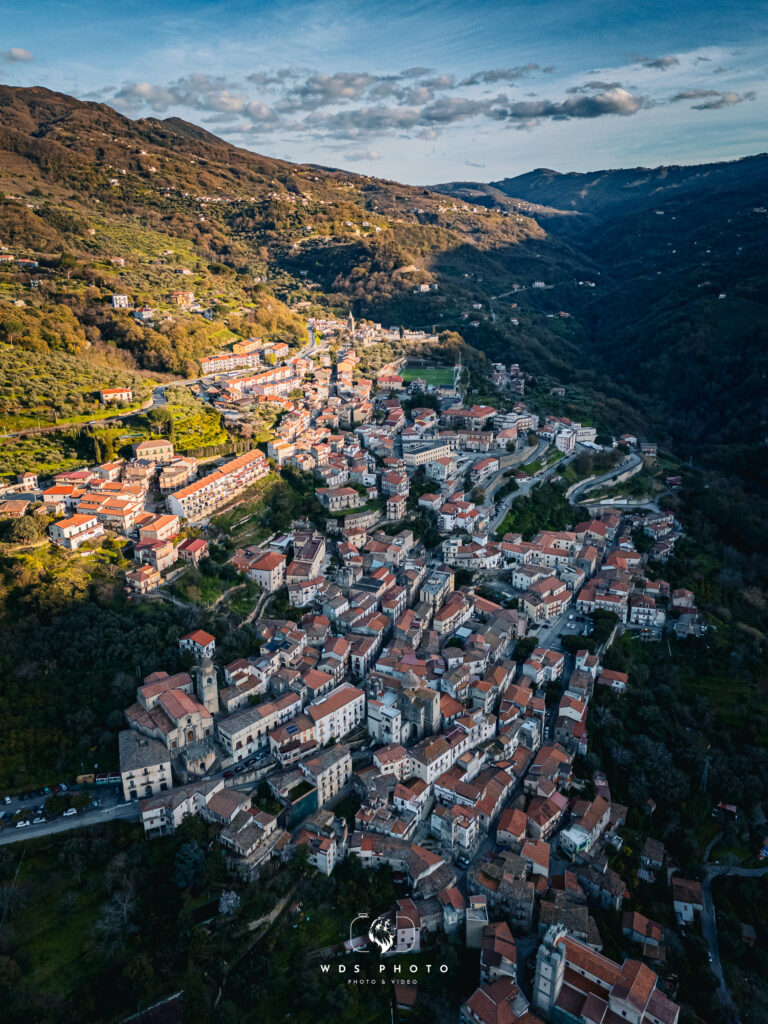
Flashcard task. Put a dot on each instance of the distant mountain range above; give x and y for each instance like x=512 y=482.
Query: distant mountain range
x=679 y=313
x=674 y=331
x=605 y=195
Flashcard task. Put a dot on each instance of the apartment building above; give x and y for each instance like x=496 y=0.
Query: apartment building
x=338 y=499
x=71 y=533
x=145 y=765
x=268 y=571
x=200 y=499
x=328 y=771
x=159 y=451
x=246 y=732
x=337 y=713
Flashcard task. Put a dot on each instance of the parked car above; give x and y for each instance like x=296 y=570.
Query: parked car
x=229 y=774
x=23 y=823
x=69 y=812
x=38 y=821
x=6 y=799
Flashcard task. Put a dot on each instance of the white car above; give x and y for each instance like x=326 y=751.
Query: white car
x=22 y=824
x=69 y=812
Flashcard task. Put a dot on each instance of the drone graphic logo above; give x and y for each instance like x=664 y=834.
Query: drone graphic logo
x=381 y=935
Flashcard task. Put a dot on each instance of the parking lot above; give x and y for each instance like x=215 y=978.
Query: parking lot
x=60 y=802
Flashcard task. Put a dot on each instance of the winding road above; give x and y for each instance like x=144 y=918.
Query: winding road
x=709 y=923
x=627 y=465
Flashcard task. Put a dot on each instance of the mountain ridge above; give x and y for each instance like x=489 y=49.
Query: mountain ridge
x=657 y=245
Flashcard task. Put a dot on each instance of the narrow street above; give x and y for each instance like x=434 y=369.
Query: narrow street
x=709 y=922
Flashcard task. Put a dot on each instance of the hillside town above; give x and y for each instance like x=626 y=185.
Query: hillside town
x=397 y=682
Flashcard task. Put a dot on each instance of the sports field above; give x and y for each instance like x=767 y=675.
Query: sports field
x=430 y=374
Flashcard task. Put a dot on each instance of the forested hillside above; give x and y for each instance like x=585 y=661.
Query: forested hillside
x=678 y=315
x=84 y=187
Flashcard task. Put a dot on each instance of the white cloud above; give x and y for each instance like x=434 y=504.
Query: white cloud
x=356 y=155
x=16 y=55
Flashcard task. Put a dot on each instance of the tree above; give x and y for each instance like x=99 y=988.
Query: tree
x=524 y=647
x=229 y=903
x=188 y=865
x=115 y=921
x=195 y=1005
x=26 y=530
x=67 y=264
x=10 y=975
x=74 y=852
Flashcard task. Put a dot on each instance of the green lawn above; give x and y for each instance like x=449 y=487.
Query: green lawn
x=436 y=375
x=195 y=587
x=54 y=937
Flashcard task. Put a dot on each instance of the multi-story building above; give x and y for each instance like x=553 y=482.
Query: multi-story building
x=143 y=580
x=181 y=470
x=200 y=499
x=246 y=732
x=422 y=452
x=199 y=643
x=159 y=451
x=145 y=765
x=337 y=499
x=337 y=713
x=328 y=771
x=268 y=571
x=385 y=720
x=573 y=982
x=161 y=527
x=71 y=533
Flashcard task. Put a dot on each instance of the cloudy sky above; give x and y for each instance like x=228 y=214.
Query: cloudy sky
x=417 y=91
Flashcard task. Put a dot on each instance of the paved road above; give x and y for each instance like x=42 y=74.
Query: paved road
x=709 y=922
x=550 y=633
x=526 y=486
x=579 y=492
x=126 y=812
x=507 y=462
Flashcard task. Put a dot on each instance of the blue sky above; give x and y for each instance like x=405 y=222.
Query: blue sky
x=421 y=92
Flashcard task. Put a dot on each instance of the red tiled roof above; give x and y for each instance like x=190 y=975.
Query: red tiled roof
x=199 y=636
